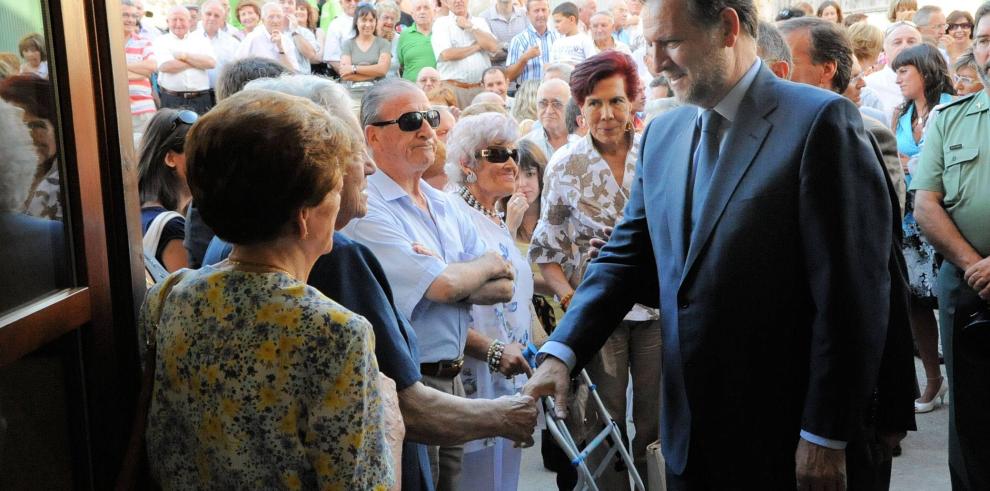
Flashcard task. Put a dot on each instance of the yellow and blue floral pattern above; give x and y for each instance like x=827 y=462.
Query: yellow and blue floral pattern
x=261 y=382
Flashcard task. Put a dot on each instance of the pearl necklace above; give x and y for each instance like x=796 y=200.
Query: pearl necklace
x=473 y=203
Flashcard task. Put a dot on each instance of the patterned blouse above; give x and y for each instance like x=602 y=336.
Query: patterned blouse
x=261 y=382
x=580 y=199
x=45 y=200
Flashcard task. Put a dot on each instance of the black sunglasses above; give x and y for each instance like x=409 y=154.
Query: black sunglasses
x=184 y=116
x=952 y=27
x=413 y=121
x=497 y=155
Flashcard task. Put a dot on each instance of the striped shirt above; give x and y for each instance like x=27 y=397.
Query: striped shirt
x=523 y=41
x=138 y=49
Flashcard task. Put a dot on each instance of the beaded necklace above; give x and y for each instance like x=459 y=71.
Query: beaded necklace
x=473 y=203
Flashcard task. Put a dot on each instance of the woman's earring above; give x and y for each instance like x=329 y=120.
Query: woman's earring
x=470 y=178
x=629 y=127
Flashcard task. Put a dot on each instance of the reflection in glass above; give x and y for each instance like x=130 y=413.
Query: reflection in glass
x=32 y=250
x=32 y=50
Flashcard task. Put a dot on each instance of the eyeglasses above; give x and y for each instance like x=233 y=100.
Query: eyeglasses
x=413 y=121
x=939 y=27
x=952 y=27
x=497 y=155
x=543 y=104
x=184 y=116
x=961 y=79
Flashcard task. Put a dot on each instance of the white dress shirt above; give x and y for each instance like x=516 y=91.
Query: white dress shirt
x=190 y=79
x=446 y=34
x=259 y=43
x=884 y=85
x=224 y=47
x=341 y=29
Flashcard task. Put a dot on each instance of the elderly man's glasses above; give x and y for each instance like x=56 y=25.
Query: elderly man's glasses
x=952 y=27
x=413 y=121
x=497 y=155
x=543 y=104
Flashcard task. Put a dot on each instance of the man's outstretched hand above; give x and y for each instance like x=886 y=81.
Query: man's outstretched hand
x=820 y=468
x=551 y=378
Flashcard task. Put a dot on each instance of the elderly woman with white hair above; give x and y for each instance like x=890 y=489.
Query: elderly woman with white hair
x=481 y=162
x=31 y=252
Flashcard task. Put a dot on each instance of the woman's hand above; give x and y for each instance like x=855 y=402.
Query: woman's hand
x=515 y=210
x=512 y=362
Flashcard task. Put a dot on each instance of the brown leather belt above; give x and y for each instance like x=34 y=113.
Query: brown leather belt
x=462 y=85
x=186 y=95
x=442 y=369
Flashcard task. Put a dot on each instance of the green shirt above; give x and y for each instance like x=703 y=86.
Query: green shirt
x=955 y=161
x=415 y=53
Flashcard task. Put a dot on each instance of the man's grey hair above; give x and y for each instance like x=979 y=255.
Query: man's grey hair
x=388 y=6
x=269 y=6
x=828 y=43
x=490 y=97
x=178 y=9
x=18 y=160
x=605 y=13
x=965 y=60
x=128 y=3
x=235 y=75
x=564 y=69
x=770 y=45
x=328 y=94
x=210 y=3
x=924 y=15
x=381 y=94
x=473 y=133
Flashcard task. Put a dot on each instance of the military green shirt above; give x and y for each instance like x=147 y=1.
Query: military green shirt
x=955 y=161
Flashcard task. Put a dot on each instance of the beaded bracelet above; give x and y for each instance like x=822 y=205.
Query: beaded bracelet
x=566 y=301
x=495 y=351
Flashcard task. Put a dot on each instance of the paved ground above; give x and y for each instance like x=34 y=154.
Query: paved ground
x=923 y=465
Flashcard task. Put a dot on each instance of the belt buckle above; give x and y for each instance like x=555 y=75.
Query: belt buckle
x=457 y=364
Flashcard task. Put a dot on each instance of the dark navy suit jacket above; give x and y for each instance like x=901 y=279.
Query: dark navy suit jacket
x=775 y=309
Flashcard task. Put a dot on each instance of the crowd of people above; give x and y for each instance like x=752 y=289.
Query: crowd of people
x=370 y=214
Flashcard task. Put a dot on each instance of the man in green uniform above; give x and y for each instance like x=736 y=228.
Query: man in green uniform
x=952 y=205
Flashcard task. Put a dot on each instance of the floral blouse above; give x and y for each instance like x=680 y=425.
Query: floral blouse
x=580 y=199
x=261 y=382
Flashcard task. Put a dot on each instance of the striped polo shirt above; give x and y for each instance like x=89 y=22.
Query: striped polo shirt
x=522 y=41
x=137 y=49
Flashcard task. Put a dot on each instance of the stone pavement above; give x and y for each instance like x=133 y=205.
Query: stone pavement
x=922 y=467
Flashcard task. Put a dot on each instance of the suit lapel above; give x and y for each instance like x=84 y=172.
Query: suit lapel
x=742 y=142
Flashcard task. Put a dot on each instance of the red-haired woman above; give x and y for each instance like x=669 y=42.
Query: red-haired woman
x=586 y=186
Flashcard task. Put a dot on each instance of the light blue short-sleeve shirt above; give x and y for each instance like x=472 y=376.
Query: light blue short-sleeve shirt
x=390 y=228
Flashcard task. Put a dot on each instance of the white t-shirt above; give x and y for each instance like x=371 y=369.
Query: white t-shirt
x=190 y=79
x=572 y=49
x=447 y=35
x=884 y=85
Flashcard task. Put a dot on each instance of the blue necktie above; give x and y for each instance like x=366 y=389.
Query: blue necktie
x=705 y=157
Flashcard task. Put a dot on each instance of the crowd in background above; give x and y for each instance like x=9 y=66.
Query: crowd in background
x=392 y=202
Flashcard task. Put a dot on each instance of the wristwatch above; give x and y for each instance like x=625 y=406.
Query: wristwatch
x=354 y=69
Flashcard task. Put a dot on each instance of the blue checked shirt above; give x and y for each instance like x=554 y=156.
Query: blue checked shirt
x=521 y=42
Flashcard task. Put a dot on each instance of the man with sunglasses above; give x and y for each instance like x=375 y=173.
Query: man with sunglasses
x=432 y=256
x=952 y=203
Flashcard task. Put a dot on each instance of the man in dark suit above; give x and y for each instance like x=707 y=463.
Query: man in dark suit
x=823 y=57
x=760 y=219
